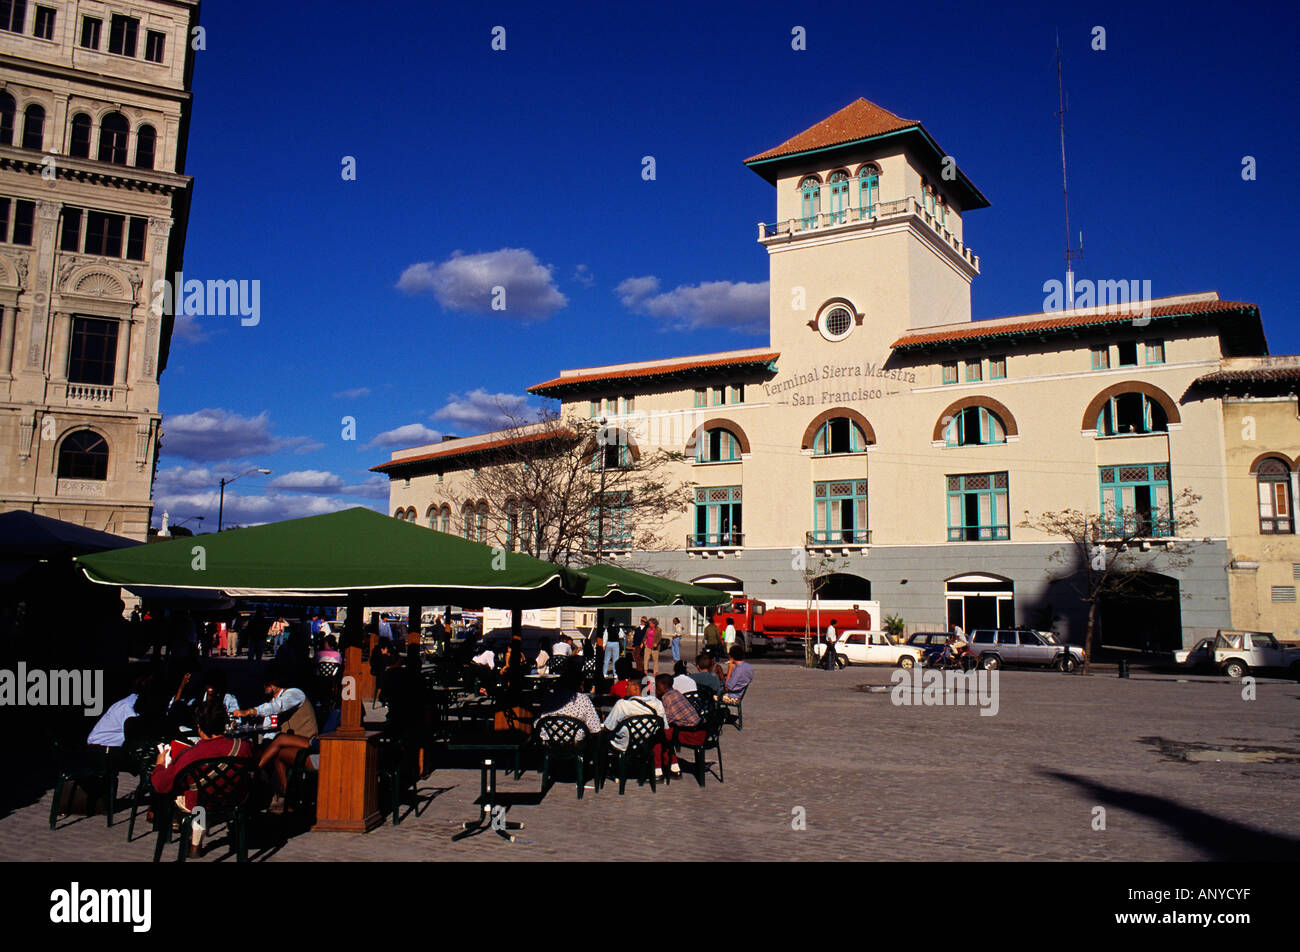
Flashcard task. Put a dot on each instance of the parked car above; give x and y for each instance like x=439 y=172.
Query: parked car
x=994 y=647
x=1238 y=653
x=1196 y=657
x=931 y=643
x=857 y=646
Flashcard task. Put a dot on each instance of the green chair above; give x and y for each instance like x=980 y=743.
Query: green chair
x=224 y=786
x=74 y=768
x=562 y=738
x=712 y=717
x=142 y=757
x=398 y=774
x=731 y=709
x=644 y=731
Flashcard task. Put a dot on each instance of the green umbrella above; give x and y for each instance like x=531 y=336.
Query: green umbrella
x=649 y=589
x=356 y=552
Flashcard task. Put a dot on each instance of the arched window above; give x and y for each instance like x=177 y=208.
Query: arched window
x=512 y=526
x=83 y=455
x=7 y=109
x=839 y=435
x=431 y=516
x=480 y=522
x=811 y=190
x=868 y=190
x=839 y=183
x=410 y=515
x=145 y=140
x=467 y=513
x=79 y=141
x=975 y=426
x=114 y=132
x=1131 y=413
x=717 y=445
x=34 y=127
x=444 y=519
x=1274 y=480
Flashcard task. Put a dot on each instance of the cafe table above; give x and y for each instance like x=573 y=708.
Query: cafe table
x=492 y=744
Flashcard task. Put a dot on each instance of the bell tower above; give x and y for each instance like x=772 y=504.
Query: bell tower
x=867 y=241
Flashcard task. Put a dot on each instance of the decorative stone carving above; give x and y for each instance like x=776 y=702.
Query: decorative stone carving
x=26 y=428
x=65 y=272
x=99 y=284
x=80 y=487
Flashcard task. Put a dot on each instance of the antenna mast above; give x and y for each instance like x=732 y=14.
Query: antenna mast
x=1070 y=253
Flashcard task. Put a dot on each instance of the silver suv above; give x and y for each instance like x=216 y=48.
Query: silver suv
x=994 y=647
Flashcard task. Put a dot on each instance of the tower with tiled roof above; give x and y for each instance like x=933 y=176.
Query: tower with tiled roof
x=868 y=238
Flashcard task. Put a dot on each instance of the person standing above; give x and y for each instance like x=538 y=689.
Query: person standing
x=729 y=636
x=830 y=659
x=676 y=643
x=650 y=665
x=612 y=649
x=258 y=627
x=712 y=639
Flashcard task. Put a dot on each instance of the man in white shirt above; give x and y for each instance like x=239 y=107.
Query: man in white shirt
x=563 y=647
x=638 y=701
x=729 y=636
x=830 y=659
x=682 y=681
x=487 y=658
x=110 y=729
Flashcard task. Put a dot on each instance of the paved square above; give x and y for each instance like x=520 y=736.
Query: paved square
x=1185 y=770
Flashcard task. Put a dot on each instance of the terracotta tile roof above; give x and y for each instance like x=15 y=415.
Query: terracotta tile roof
x=1003 y=327
x=663 y=369
x=1280 y=375
x=860 y=119
x=465 y=447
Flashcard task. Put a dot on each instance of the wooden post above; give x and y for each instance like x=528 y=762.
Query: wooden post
x=347 y=798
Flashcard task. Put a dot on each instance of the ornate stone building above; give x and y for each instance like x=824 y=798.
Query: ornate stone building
x=884 y=427
x=94 y=117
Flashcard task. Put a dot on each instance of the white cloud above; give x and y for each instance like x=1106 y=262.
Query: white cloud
x=187 y=330
x=413 y=434
x=353 y=394
x=740 y=306
x=375 y=487
x=483 y=411
x=582 y=274
x=465 y=282
x=216 y=434
x=308 y=481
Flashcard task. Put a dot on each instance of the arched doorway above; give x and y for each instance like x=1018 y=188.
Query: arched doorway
x=843 y=586
x=980 y=601
x=1147 y=614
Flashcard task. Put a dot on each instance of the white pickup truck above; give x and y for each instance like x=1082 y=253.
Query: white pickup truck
x=857 y=646
x=1238 y=653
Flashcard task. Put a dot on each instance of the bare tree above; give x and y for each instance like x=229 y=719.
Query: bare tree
x=571 y=491
x=815 y=575
x=1116 y=550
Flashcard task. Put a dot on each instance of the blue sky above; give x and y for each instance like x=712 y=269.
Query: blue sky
x=477 y=167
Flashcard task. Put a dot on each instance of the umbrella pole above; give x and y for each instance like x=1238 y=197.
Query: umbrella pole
x=348 y=786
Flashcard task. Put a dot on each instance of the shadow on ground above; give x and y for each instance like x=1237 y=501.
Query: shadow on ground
x=1218 y=838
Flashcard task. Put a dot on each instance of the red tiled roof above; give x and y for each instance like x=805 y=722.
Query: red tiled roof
x=860 y=119
x=977 y=330
x=456 y=448
x=651 y=370
x=1255 y=375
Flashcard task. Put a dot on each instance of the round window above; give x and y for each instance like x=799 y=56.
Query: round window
x=836 y=323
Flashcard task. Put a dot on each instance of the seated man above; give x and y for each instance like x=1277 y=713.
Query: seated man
x=626 y=675
x=211 y=718
x=632 y=705
x=742 y=673
x=707 y=678
x=563 y=647
x=296 y=721
x=682 y=682
x=683 y=721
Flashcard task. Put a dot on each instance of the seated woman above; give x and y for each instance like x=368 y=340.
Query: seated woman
x=211 y=717
x=569 y=701
x=625 y=674
x=331 y=650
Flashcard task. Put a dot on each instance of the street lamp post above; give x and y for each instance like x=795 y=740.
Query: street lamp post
x=221 y=506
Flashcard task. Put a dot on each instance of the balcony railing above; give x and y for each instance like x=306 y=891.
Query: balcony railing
x=834 y=537
x=1137 y=527
x=715 y=540
x=89 y=393
x=879 y=212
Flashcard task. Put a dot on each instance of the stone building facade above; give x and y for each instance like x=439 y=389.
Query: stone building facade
x=95 y=109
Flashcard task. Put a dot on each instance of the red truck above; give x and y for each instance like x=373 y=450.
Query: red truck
x=759 y=627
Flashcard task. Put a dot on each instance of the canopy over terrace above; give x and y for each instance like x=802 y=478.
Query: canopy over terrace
x=659 y=591
x=356 y=555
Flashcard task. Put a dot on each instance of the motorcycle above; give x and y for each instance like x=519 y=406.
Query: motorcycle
x=948 y=660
